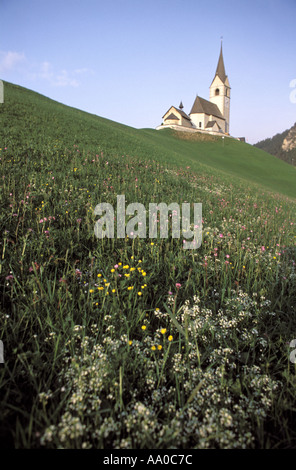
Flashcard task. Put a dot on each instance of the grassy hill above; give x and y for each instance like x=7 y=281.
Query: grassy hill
x=135 y=342
x=28 y=117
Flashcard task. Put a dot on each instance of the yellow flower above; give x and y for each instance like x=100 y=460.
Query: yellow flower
x=132 y=269
x=163 y=331
x=101 y=288
x=127 y=274
x=144 y=327
x=143 y=273
x=159 y=347
x=126 y=266
x=99 y=275
x=113 y=270
x=130 y=342
x=130 y=287
x=91 y=291
x=153 y=348
x=139 y=293
x=113 y=290
x=151 y=243
x=170 y=338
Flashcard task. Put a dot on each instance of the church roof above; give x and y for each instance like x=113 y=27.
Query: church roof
x=211 y=124
x=172 y=116
x=184 y=115
x=220 y=71
x=201 y=105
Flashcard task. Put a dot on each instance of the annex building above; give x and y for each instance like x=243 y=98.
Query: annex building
x=205 y=116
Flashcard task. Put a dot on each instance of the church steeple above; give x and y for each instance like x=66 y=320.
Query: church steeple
x=220 y=71
x=220 y=90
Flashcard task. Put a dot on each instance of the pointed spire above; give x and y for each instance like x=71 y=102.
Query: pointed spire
x=220 y=67
x=181 y=105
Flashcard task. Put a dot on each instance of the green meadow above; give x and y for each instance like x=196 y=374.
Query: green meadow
x=136 y=343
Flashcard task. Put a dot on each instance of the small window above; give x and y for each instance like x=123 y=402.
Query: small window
x=200 y=124
x=217 y=92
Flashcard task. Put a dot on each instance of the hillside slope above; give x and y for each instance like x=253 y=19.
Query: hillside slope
x=30 y=122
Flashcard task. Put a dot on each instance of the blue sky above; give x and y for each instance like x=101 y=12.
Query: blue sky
x=130 y=60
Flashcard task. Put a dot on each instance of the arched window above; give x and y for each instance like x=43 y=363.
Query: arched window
x=217 y=92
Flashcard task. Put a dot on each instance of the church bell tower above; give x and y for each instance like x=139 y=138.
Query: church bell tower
x=220 y=91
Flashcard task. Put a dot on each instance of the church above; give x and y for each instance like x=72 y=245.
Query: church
x=205 y=116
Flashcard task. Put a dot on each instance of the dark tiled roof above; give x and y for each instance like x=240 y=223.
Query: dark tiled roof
x=212 y=123
x=201 y=105
x=172 y=116
x=220 y=67
x=184 y=115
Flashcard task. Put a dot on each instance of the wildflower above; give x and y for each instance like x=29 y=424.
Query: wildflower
x=153 y=348
x=170 y=338
x=159 y=347
x=178 y=285
x=139 y=293
x=130 y=287
x=113 y=270
x=163 y=331
x=91 y=291
x=143 y=327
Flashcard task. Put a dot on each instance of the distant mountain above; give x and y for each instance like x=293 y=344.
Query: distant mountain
x=281 y=145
